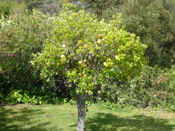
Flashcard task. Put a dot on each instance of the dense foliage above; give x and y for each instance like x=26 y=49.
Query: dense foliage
x=87 y=52
x=153 y=87
x=8 y=8
x=24 y=34
x=86 y=55
x=5 y=8
x=21 y=35
x=153 y=21
x=100 y=6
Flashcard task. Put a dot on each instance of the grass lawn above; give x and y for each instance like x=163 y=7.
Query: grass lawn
x=64 y=117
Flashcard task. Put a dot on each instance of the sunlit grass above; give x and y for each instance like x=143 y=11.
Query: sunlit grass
x=64 y=117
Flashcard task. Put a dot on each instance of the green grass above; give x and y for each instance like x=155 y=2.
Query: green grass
x=64 y=117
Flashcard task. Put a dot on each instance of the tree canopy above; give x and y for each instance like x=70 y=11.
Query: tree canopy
x=87 y=52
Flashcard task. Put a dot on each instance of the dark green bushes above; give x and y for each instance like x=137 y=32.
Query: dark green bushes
x=152 y=22
x=100 y=6
x=21 y=36
x=37 y=4
x=153 y=87
x=50 y=8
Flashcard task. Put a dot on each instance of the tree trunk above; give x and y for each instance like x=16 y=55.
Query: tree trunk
x=81 y=112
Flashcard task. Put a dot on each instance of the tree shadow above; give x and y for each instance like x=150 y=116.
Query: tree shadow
x=111 y=122
x=9 y=119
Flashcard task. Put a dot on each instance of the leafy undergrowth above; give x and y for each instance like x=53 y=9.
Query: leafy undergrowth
x=63 y=118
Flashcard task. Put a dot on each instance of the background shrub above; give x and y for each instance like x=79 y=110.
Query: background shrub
x=19 y=96
x=153 y=87
x=5 y=8
x=21 y=35
x=8 y=8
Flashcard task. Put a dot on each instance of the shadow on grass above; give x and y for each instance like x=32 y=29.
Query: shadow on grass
x=11 y=120
x=111 y=122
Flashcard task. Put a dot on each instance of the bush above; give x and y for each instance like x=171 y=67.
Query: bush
x=34 y=4
x=153 y=87
x=21 y=36
x=139 y=91
x=5 y=8
x=8 y=8
x=19 y=96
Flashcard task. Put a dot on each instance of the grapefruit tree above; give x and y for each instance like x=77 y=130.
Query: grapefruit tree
x=86 y=52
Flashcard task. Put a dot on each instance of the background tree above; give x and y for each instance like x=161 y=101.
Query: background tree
x=100 y=6
x=154 y=24
x=87 y=52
